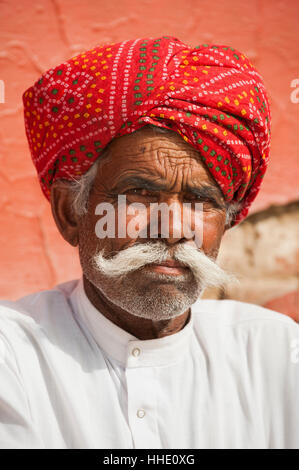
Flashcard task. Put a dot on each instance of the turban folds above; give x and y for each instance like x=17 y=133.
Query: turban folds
x=211 y=95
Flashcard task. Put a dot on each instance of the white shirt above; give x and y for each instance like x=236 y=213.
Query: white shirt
x=70 y=378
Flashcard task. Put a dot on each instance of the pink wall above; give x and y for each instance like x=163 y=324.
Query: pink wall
x=37 y=35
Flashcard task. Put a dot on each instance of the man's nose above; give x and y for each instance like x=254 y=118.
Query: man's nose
x=171 y=222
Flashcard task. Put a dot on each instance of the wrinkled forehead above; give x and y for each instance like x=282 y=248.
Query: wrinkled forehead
x=154 y=153
x=152 y=139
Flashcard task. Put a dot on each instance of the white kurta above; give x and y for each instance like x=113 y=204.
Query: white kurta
x=70 y=378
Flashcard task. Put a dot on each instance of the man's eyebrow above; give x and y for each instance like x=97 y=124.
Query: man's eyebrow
x=140 y=182
x=206 y=191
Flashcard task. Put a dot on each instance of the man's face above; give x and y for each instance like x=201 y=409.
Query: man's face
x=149 y=167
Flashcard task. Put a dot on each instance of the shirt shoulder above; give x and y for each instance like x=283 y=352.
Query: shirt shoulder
x=225 y=315
x=230 y=313
x=252 y=344
x=239 y=326
x=39 y=314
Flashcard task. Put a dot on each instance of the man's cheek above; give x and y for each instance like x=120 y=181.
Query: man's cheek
x=212 y=234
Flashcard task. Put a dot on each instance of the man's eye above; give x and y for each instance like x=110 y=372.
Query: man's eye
x=139 y=191
x=208 y=203
x=134 y=191
x=195 y=198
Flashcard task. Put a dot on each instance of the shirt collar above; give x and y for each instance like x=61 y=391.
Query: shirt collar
x=124 y=347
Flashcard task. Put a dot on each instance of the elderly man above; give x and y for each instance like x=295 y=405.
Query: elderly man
x=129 y=356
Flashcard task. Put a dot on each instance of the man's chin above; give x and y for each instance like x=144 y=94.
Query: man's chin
x=152 y=295
x=169 y=294
x=153 y=283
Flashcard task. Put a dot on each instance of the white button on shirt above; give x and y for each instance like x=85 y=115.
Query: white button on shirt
x=70 y=378
x=140 y=413
x=136 y=352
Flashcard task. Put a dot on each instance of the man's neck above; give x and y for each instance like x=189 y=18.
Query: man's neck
x=141 y=328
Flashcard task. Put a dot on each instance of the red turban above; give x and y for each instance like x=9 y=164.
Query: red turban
x=211 y=95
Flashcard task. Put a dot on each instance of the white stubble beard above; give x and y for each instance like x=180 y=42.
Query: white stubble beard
x=163 y=296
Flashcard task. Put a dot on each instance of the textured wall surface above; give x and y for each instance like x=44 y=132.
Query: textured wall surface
x=37 y=35
x=263 y=253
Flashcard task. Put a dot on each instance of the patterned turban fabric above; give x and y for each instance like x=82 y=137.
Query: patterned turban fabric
x=211 y=95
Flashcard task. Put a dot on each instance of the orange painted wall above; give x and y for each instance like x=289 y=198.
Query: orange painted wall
x=35 y=35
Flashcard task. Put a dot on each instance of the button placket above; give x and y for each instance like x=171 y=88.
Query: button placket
x=142 y=401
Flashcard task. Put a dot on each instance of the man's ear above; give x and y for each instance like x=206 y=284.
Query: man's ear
x=63 y=212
